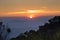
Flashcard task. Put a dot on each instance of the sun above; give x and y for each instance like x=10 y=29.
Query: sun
x=31 y=16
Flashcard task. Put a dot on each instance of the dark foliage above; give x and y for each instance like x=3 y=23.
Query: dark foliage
x=4 y=31
x=49 y=31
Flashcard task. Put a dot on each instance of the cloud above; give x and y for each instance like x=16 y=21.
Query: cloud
x=17 y=5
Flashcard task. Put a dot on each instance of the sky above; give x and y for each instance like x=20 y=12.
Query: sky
x=21 y=7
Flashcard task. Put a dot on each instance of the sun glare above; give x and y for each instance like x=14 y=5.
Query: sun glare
x=31 y=16
x=35 y=11
x=32 y=11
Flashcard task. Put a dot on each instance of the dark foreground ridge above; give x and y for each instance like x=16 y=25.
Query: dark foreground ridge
x=49 y=31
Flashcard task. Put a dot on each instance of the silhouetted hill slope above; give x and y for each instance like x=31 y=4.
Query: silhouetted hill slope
x=49 y=31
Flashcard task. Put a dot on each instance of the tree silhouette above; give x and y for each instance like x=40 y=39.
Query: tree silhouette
x=4 y=31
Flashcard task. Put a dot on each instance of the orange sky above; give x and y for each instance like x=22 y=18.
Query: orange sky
x=15 y=8
x=28 y=13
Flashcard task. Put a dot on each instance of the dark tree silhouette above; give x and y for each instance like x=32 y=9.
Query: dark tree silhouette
x=49 y=31
x=4 y=31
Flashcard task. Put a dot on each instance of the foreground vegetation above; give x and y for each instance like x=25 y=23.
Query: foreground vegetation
x=49 y=31
x=4 y=31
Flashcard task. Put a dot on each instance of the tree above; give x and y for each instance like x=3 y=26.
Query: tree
x=4 y=31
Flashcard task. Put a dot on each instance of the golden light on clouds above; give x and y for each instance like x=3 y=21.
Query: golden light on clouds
x=12 y=8
x=21 y=12
x=30 y=13
x=35 y=11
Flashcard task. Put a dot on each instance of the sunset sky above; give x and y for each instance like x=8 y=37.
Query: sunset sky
x=10 y=8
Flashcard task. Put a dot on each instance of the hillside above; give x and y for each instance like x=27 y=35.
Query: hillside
x=49 y=31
